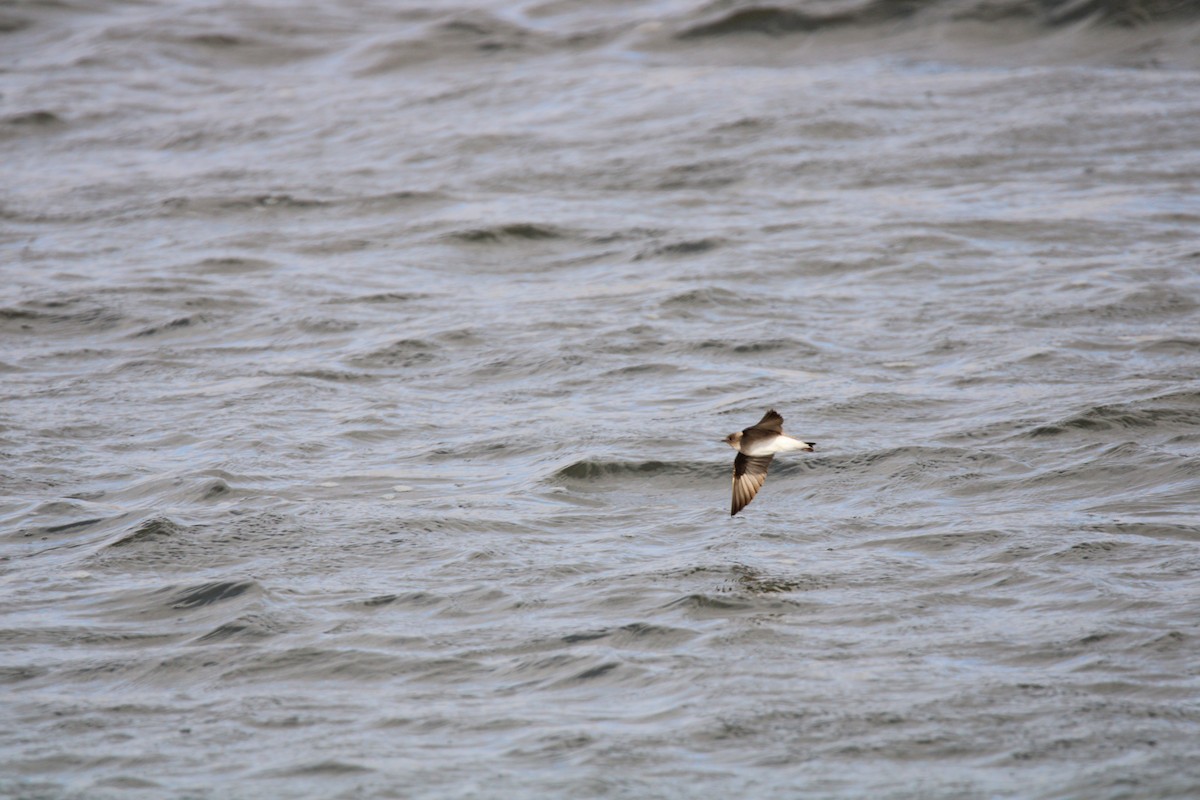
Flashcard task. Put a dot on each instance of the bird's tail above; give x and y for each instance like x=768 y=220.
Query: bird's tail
x=796 y=444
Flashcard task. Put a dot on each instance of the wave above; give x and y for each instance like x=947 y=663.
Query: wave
x=504 y=233
x=207 y=594
x=683 y=247
x=68 y=316
x=155 y=528
x=399 y=354
x=708 y=296
x=773 y=20
x=593 y=469
x=781 y=20
x=1177 y=410
x=31 y=120
x=459 y=35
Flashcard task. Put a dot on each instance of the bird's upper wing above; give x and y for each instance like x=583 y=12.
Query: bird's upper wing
x=771 y=421
x=749 y=474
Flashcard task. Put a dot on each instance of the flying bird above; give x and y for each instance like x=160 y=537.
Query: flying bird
x=756 y=446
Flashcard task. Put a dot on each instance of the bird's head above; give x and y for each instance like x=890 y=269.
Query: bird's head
x=734 y=440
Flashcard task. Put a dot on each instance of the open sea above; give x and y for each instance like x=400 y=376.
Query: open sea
x=364 y=368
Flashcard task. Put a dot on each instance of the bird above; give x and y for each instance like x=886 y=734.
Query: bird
x=756 y=446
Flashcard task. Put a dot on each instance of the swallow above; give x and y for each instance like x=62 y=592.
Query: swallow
x=756 y=446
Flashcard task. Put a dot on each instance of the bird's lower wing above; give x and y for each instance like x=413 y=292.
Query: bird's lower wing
x=749 y=474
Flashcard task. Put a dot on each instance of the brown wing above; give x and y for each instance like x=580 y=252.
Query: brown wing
x=749 y=474
x=771 y=421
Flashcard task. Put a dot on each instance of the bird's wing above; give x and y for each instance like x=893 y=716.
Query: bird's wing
x=771 y=421
x=749 y=474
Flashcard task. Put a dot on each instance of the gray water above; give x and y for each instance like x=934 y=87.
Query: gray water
x=363 y=371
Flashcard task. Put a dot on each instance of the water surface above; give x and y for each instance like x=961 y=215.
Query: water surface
x=363 y=372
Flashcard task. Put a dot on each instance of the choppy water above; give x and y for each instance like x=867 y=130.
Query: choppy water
x=363 y=372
